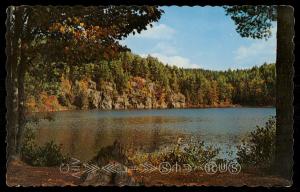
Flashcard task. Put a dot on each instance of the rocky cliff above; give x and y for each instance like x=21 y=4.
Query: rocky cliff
x=139 y=94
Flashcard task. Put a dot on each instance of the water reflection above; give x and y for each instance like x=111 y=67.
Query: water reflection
x=83 y=133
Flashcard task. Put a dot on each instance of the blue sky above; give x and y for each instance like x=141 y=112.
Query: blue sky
x=201 y=37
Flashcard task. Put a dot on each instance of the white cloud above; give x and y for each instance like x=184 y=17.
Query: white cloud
x=158 y=31
x=173 y=60
x=256 y=49
x=165 y=48
x=258 y=52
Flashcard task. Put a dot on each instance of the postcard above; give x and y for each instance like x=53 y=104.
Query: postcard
x=149 y=95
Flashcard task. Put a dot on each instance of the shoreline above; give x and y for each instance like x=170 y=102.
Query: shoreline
x=21 y=174
x=137 y=109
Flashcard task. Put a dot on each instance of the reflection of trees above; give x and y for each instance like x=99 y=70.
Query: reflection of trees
x=100 y=133
x=130 y=132
x=117 y=126
x=104 y=133
x=59 y=132
x=74 y=134
x=77 y=137
x=155 y=135
x=86 y=139
x=83 y=137
x=155 y=138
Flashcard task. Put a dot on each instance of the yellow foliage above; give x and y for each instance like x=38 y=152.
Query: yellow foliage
x=30 y=103
x=83 y=86
x=154 y=158
x=62 y=29
x=66 y=85
x=43 y=96
x=76 y=20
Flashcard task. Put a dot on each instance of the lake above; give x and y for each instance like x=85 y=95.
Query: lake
x=83 y=133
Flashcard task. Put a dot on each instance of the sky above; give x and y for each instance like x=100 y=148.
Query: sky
x=201 y=37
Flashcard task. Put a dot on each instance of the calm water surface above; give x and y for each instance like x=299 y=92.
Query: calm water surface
x=83 y=133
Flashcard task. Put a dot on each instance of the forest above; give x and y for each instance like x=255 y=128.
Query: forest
x=130 y=81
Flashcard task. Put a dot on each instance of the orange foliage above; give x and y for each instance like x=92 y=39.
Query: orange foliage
x=48 y=102
x=84 y=32
x=66 y=85
x=140 y=82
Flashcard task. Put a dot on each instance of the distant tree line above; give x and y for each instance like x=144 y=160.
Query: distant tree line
x=253 y=87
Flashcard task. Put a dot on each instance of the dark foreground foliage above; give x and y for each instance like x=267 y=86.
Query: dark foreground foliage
x=49 y=154
x=258 y=150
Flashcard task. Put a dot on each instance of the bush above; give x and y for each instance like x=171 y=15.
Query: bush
x=50 y=154
x=259 y=149
x=43 y=102
x=193 y=153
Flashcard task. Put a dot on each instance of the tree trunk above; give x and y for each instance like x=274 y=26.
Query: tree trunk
x=16 y=69
x=12 y=52
x=21 y=99
x=284 y=89
x=9 y=89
